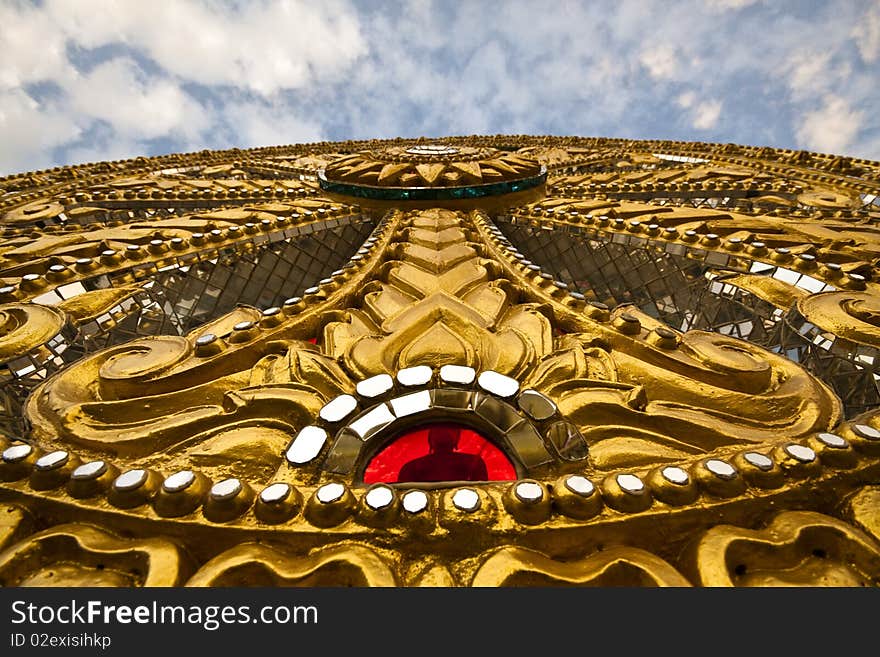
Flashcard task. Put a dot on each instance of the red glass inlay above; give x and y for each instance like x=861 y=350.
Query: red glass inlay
x=439 y=452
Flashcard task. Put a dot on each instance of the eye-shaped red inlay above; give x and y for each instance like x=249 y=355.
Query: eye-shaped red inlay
x=439 y=452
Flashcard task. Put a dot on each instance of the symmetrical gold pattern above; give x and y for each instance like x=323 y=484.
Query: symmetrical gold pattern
x=431 y=166
x=152 y=438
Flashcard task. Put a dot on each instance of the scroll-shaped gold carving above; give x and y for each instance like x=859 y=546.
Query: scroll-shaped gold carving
x=90 y=305
x=82 y=555
x=637 y=403
x=704 y=392
x=14 y=522
x=826 y=198
x=127 y=367
x=26 y=327
x=854 y=316
x=149 y=397
x=799 y=548
x=33 y=212
x=259 y=565
x=863 y=510
x=433 y=576
x=617 y=566
x=772 y=290
x=743 y=391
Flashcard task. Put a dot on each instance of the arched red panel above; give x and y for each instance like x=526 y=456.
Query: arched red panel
x=439 y=452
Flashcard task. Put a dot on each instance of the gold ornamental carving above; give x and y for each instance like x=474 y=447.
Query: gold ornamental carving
x=641 y=362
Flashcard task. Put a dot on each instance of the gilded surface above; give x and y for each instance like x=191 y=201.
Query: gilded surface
x=172 y=329
x=418 y=166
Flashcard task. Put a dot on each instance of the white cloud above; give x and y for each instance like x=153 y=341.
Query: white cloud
x=134 y=104
x=251 y=49
x=132 y=77
x=32 y=46
x=260 y=46
x=725 y=5
x=831 y=128
x=262 y=124
x=661 y=61
x=809 y=73
x=813 y=73
x=29 y=131
x=101 y=149
x=867 y=148
x=686 y=99
x=706 y=114
x=866 y=34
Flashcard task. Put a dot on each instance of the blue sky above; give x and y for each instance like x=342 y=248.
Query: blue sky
x=87 y=80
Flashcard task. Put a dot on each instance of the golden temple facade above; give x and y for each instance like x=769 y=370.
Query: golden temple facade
x=475 y=361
